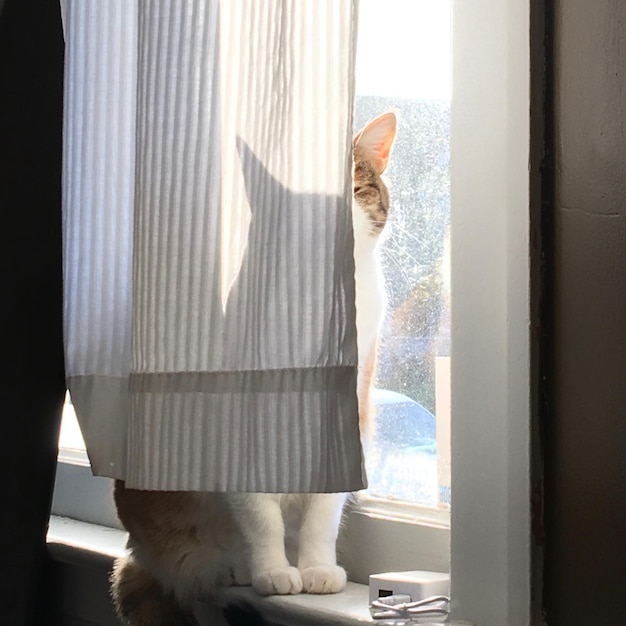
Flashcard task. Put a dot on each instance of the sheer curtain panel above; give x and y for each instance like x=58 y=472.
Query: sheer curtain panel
x=208 y=256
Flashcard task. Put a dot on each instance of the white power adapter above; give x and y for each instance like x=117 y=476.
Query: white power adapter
x=418 y=585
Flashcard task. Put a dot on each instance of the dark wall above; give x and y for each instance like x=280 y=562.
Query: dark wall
x=585 y=503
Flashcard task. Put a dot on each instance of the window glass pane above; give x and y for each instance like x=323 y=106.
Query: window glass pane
x=70 y=437
x=403 y=63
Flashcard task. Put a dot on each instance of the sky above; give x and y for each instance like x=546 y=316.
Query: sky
x=404 y=48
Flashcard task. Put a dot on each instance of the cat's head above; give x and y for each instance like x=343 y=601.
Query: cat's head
x=372 y=147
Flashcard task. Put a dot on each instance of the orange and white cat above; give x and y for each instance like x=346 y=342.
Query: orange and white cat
x=185 y=544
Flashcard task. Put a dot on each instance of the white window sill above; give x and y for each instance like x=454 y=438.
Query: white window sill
x=73 y=541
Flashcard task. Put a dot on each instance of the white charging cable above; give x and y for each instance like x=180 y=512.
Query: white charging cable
x=399 y=610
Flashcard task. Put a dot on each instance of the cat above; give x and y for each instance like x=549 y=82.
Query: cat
x=185 y=544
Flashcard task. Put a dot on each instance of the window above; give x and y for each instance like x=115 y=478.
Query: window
x=485 y=533
x=410 y=459
x=409 y=465
x=404 y=515
x=71 y=443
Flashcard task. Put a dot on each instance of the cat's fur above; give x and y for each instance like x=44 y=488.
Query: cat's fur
x=184 y=544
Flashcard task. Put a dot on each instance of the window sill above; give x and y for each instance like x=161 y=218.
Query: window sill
x=81 y=543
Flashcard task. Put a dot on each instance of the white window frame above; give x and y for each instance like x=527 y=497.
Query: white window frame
x=490 y=540
x=488 y=545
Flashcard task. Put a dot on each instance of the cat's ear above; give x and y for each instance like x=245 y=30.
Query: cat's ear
x=375 y=140
x=256 y=177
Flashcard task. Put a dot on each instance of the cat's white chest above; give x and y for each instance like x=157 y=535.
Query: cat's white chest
x=370 y=293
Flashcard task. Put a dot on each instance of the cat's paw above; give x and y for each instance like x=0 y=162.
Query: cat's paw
x=281 y=581
x=323 y=579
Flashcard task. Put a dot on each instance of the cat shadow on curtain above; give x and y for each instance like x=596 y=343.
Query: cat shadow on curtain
x=285 y=307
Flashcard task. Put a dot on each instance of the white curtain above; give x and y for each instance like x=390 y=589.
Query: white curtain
x=209 y=274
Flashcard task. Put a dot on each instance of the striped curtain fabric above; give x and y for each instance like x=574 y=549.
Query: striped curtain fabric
x=209 y=274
